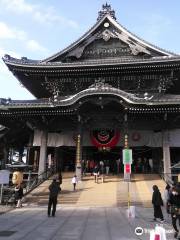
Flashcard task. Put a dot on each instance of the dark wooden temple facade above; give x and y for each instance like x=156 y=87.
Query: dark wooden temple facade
x=88 y=96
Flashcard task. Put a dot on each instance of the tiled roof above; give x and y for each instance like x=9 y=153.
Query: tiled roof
x=134 y=99
x=111 y=61
x=46 y=62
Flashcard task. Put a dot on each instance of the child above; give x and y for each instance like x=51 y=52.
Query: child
x=74 y=181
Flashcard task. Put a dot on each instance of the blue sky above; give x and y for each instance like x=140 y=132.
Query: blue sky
x=39 y=28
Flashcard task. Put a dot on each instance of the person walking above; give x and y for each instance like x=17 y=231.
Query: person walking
x=174 y=201
x=18 y=195
x=54 y=190
x=96 y=173
x=157 y=203
x=74 y=182
x=166 y=198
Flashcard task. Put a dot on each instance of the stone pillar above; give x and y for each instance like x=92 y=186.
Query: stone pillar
x=166 y=156
x=78 y=151
x=43 y=153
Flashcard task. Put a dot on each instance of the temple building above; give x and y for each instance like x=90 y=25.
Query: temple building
x=106 y=85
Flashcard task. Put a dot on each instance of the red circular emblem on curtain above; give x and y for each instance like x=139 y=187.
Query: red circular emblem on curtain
x=136 y=136
x=105 y=137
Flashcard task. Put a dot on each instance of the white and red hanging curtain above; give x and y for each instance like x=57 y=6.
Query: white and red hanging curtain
x=105 y=137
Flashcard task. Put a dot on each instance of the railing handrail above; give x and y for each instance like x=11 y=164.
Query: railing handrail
x=167 y=177
x=40 y=178
x=34 y=182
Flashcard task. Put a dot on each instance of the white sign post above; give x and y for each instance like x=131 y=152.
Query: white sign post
x=127 y=161
x=4 y=179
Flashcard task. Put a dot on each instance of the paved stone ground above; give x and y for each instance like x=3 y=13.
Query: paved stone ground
x=111 y=193
x=5 y=208
x=93 y=211
x=82 y=223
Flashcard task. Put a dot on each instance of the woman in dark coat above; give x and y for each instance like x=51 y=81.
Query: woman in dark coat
x=174 y=201
x=157 y=203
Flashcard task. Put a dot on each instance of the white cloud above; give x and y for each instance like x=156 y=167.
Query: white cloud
x=7 y=32
x=49 y=16
x=39 y=13
x=35 y=46
x=18 y=6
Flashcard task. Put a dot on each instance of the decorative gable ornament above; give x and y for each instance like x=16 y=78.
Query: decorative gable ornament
x=106 y=9
x=100 y=84
x=106 y=35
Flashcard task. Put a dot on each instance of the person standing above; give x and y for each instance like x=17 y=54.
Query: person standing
x=101 y=164
x=60 y=178
x=96 y=173
x=157 y=203
x=174 y=201
x=18 y=195
x=166 y=198
x=151 y=164
x=54 y=190
x=107 y=167
x=74 y=182
x=118 y=161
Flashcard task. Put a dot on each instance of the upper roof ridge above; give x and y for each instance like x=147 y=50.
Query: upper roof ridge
x=106 y=9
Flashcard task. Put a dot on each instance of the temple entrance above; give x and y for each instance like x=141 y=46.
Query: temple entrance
x=145 y=159
x=93 y=156
x=66 y=158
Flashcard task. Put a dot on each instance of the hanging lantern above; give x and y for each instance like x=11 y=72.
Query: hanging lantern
x=105 y=138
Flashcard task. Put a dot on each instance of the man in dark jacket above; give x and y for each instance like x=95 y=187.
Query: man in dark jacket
x=174 y=201
x=54 y=189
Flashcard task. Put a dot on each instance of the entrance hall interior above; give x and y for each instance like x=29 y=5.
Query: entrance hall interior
x=145 y=159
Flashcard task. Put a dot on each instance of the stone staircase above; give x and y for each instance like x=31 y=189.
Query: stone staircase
x=113 y=192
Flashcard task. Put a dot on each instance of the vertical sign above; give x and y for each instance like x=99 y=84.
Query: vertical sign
x=127 y=156
x=127 y=168
x=127 y=161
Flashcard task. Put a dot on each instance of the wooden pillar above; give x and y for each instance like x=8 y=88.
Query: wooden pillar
x=79 y=150
x=29 y=149
x=5 y=156
x=43 y=153
x=166 y=156
x=56 y=160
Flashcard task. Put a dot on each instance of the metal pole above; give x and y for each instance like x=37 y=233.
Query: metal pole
x=129 y=214
x=1 y=194
x=128 y=197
